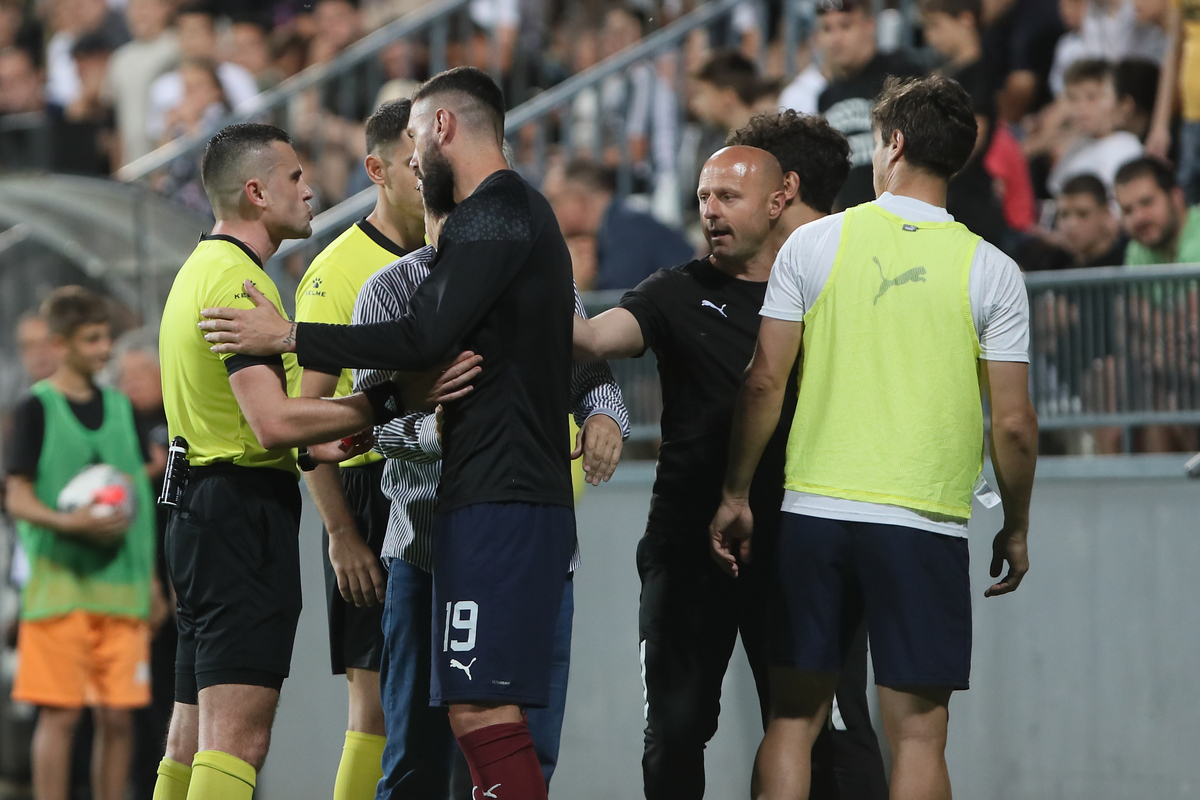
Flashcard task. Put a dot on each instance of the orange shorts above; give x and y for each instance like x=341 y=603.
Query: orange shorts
x=83 y=659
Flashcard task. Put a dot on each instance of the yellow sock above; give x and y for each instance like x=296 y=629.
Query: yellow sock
x=173 y=780
x=220 y=776
x=361 y=767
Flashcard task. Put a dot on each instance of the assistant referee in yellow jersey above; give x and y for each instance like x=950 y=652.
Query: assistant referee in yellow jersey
x=232 y=547
x=349 y=496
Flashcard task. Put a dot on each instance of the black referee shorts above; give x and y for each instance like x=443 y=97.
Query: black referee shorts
x=234 y=559
x=356 y=634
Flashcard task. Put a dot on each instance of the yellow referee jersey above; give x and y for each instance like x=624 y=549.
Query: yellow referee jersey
x=199 y=401
x=331 y=285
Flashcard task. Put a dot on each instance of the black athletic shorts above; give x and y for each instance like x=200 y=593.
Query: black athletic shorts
x=499 y=570
x=234 y=558
x=912 y=586
x=356 y=633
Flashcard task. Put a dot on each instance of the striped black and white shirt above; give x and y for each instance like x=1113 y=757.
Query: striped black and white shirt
x=411 y=443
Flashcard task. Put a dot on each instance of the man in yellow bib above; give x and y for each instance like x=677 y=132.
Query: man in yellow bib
x=905 y=317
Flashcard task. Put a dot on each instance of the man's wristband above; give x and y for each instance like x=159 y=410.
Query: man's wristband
x=304 y=460
x=385 y=406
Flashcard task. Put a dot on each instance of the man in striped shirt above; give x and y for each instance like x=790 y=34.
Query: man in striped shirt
x=416 y=758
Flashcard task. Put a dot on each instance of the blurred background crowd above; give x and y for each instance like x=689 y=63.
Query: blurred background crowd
x=1088 y=156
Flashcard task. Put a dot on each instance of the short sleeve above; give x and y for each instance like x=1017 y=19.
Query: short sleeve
x=785 y=295
x=227 y=290
x=325 y=296
x=25 y=448
x=1000 y=306
x=644 y=303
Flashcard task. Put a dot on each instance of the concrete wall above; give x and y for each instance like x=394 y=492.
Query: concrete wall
x=1083 y=684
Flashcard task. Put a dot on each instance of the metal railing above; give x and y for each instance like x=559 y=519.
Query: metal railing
x=345 y=78
x=1115 y=346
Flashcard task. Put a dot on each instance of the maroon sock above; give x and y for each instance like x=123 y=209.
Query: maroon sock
x=503 y=763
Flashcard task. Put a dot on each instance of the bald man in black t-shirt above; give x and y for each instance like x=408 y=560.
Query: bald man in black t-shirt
x=701 y=320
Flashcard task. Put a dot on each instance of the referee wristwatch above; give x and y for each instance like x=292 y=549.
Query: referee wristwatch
x=304 y=460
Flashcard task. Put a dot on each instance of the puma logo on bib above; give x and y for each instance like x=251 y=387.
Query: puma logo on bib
x=914 y=275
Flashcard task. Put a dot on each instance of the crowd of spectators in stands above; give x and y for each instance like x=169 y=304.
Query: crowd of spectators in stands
x=1061 y=90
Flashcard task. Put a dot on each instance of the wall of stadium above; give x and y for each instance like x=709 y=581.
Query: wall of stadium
x=1083 y=684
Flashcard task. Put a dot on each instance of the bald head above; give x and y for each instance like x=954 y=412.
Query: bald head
x=749 y=166
x=741 y=197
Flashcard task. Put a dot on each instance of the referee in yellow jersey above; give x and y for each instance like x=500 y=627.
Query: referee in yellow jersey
x=232 y=548
x=350 y=500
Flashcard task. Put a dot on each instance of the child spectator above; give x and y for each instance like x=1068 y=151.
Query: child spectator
x=1107 y=29
x=85 y=634
x=1098 y=148
x=1087 y=232
x=197 y=40
x=1180 y=77
x=1154 y=213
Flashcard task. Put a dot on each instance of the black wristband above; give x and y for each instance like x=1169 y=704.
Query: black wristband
x=384 y=404
x=305 y=461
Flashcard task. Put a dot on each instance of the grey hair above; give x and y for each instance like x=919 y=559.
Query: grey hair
x=510 y=157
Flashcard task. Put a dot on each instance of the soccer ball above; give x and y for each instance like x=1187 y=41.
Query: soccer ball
x=103 y=485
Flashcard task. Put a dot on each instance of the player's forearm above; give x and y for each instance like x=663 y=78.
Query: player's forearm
x=1168 y=83
x=302 y=421
x=755 y=418
x=325 y=487
x=1014 y=456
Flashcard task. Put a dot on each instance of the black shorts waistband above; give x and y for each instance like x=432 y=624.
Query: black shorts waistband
x=241 y=472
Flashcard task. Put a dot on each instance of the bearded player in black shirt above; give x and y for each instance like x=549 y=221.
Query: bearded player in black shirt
x=701 y=320
x=501 y=287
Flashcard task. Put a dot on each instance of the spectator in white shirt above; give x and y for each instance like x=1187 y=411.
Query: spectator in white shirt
x=197 y=40
x=132 y=69
x=71 y=19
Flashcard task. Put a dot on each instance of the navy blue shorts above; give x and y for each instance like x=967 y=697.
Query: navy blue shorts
x=913 y=587
x=498 y=575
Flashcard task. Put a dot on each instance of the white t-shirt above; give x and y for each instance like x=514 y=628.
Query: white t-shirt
x=999 y=307
x=1099 y=157
x=804 y=91
x=167 y=90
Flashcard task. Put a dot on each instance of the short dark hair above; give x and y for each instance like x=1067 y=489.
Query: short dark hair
x=387 y=124
x=1088 y=69
x=199 y=7
x=68 y=308
x=473 y=82
x=729 y=69
x=1087 y=183
x=953 y=8
x=91 y=44
x=825 y=6
x=935 y=116
x=591 y=174
x=804 y=144
x=637 y=14
x=1137 y=78
x=1147 y=167
x=228 y=149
